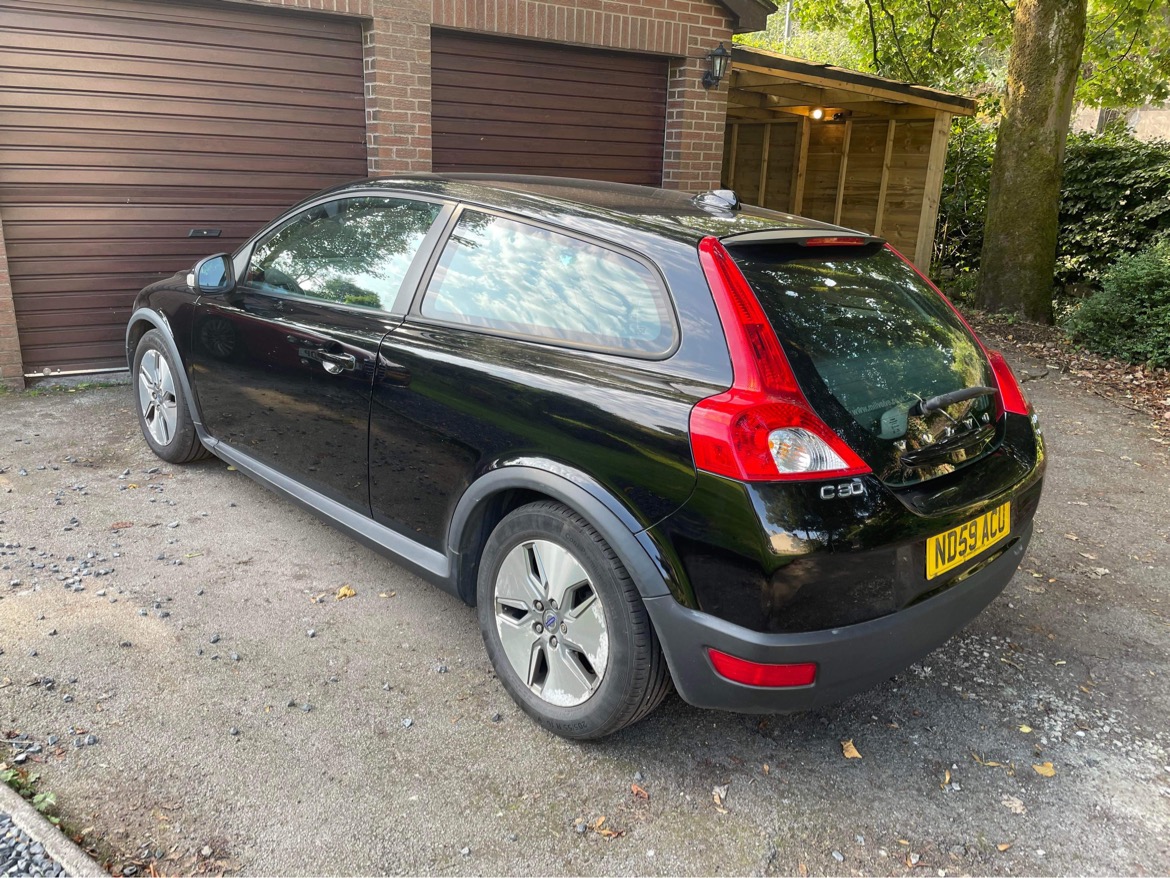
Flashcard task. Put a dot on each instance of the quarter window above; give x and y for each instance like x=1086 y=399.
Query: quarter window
x=353 y=251
x=512 y=277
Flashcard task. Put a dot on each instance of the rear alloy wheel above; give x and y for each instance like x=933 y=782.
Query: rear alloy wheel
x=564 y=625
x=162 y=407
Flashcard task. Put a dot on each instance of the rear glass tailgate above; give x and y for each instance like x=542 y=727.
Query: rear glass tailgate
x=874 y=348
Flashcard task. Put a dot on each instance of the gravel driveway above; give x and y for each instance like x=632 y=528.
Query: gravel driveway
x=172 y=640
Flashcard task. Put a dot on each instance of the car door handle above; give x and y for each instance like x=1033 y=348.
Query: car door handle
x=332 y=363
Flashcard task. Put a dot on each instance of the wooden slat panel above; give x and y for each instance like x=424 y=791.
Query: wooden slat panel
x=129 y=122
x=504 y=106
x=778 y=189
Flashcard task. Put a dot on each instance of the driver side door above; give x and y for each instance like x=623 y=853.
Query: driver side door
x=285 y=362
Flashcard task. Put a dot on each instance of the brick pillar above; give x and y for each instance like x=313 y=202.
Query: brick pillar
x=695 y=118
x=397 y=42
x=11 y=367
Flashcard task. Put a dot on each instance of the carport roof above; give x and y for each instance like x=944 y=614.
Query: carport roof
x=775 y=78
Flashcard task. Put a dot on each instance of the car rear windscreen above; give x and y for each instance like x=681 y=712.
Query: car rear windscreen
x=859 y=323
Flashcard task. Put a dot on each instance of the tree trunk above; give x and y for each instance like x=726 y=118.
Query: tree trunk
x=1023 y=202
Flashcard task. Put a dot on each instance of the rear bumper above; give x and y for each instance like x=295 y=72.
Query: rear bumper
x=849 y=659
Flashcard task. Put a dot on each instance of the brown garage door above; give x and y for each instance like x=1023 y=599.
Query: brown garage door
x=128 y=124
x=537 y=108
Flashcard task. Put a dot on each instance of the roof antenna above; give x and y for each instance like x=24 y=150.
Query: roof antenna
x=720 y=199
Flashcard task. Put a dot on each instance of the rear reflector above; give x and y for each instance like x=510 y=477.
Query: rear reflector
x=755 y=674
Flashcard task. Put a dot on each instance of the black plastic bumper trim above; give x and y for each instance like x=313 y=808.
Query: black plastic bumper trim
x=849 y=659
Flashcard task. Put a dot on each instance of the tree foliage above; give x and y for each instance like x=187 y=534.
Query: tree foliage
x=1115 y=200
x=962 y=45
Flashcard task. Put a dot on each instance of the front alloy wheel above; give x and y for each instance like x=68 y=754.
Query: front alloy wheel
x=163 y=413
x=156 y=397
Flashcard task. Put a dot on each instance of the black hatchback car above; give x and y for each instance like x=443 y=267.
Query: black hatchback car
x=652 y=438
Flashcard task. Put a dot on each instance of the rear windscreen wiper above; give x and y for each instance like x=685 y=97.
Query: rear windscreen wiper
x=934 y=403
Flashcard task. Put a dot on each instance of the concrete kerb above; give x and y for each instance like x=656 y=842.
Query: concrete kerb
x=73 y=859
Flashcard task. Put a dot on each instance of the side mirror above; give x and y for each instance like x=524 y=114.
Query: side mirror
x=212 y=275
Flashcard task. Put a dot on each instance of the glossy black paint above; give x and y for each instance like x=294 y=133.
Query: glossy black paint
x=780 y=557
x=437 y=431
x=260 y=363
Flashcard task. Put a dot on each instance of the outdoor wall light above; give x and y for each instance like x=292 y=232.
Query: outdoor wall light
x=816 y=114
x=717 y=59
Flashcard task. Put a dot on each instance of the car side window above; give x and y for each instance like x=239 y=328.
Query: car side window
x=512 y=277
x=353 y=251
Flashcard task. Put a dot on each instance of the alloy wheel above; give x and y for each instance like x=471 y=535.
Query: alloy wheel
x=551 y=623
x=156 y=397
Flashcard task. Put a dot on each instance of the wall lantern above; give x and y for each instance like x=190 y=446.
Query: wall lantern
x=718 y=59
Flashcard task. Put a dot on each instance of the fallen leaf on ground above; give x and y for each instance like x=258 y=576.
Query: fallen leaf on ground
x=1003 y=847
x=638 y=792
x=987 y=762
x=946 y=780
x=1044 y=769
x=121 y=525
x=1013 y=804
x=344 y=592
x=1071 y=537
x=802 y=870
x=767 y=768
x=718 y=795
x=605 y=832
x=231 y=469
x=848 y=750
x=1027 y=730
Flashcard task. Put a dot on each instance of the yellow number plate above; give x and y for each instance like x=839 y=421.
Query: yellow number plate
x=948 y=550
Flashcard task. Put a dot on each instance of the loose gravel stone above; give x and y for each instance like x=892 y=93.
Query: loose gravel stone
x=312 y=632
x=407 y=723
x=19 y=855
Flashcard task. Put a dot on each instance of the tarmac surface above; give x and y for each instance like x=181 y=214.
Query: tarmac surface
x=155 y=622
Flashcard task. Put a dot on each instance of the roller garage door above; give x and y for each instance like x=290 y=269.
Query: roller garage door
x=539 y=108
x=125 y=125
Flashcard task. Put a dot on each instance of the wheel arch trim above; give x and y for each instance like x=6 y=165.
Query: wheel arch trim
x=159 y=321
x=575 y=489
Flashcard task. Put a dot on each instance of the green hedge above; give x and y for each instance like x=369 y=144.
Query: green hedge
x=1129 y=317
x=1115 y=200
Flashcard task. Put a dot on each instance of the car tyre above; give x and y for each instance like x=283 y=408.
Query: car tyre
x=163 y=411
x=599 y=668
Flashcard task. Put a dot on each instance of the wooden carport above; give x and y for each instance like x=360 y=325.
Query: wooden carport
x=840 y=146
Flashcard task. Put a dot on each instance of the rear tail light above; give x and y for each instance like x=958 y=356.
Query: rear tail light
x=756 y=674
x=762 y=428
x=1011 y=398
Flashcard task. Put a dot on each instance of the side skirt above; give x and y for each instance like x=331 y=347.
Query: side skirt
x=427 y=563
